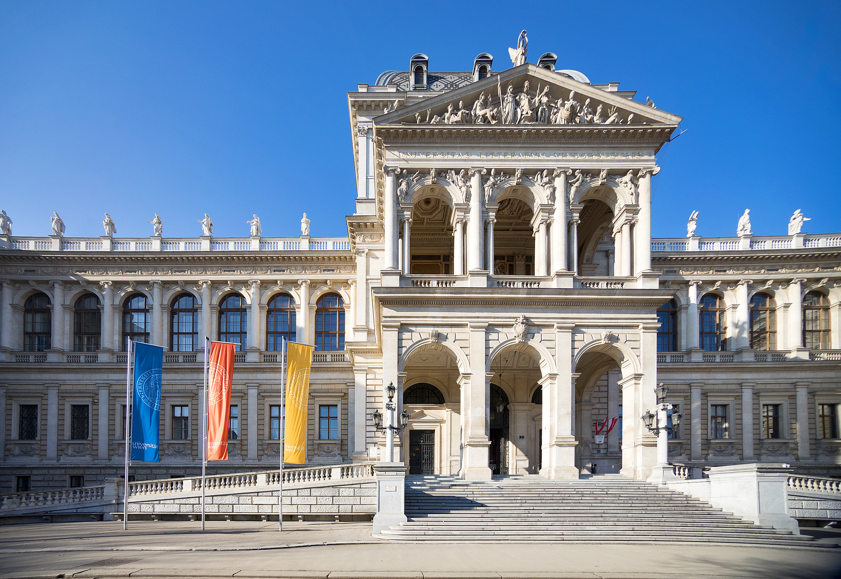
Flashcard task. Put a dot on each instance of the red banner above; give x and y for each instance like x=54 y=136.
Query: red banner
x=220 y=376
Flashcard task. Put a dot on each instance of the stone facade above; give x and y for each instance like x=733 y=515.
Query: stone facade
x=500 y=253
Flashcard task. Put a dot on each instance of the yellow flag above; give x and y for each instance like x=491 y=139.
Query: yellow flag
x=297 y=400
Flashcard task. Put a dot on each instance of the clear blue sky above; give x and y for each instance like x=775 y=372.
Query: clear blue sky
x=234 y=108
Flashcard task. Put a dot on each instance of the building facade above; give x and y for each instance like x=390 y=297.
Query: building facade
x=498 y=270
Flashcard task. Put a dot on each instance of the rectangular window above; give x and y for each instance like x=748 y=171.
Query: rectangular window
x=771 y=421
x=233 y=424
x=328 y=422
x=719 y=429
x=77 y=481
x=28 y=422
x=674 y=433
x=274 y=422
x=180 y=422
x=828 y=420
x=79 y=421
x=23 y=484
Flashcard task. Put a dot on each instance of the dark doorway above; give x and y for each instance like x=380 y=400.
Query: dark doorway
x=421 y=452
x=498 y=454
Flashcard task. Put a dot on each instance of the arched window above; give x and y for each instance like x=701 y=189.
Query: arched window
x=763 y=322
x=418 y=75
x=816 y=321
x=537 y=397
x=330 y=323
x=483 y=72
x=422 y=394
x=712 y=323
x=667 y=333
x=135 y=320
x=36 y=323
x=87 y=324
x=280 y=321
x=184 y=333
x=233 y=321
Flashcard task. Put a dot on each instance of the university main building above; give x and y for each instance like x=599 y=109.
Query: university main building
x=498 y=270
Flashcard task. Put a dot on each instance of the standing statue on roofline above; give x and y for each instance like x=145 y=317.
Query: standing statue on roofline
x=518 y=55
x=157 y=225
x=795 y=224
x=206 y=226
x=5 y=223
x=744 y=224
x=109 y=226
x=57 y=225
x=692 y=224
x=305 y=225
x=256 y=228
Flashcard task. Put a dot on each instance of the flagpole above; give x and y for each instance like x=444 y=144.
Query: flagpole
x=204 y=429
x=127 y=438
x=283 y=350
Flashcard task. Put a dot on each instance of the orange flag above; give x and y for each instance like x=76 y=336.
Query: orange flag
x=297 y=400
x=220 y=376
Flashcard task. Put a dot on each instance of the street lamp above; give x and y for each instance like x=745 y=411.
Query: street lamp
x=657 y=422
x=390 y=428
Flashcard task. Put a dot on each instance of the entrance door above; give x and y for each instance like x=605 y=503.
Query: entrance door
x=498 y=431
x=421 y=452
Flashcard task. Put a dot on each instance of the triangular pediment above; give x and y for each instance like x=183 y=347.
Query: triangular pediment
x=549 y=98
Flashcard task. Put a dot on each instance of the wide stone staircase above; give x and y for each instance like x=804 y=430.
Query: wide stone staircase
x=608 y=508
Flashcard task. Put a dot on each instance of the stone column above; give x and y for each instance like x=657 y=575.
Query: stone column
x=103 y=414
x=695 y=420
x=52 y=422
x=458 y=259
x=3 y=415
x=205 y=313
x=362 y=170
x=107 y=316
x=747 y=420
x=642 y=259
x=692 y=333
x=476 y=226
x=742 y=323
x=57 y=338
x=361 y=304
x=795 y=324
x=475 y=409
x=647 y=448
x=540 y=249
x=491 y=248
x=390 y=217
x=360 y=414
x=253 y=411
x=254 y=316
x=407 y=254
x=626 y=248
x=6 y=315
x=559 y=411
x=304 y=316
x=390 y=342
x=574 y=241
x=157 y=313
x=802 y=402
x=559 y=229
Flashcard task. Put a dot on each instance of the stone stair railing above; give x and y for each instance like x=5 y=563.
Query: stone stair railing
x=50 y=499
x=812 y=484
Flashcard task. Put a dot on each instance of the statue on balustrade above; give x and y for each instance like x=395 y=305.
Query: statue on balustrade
x=256 y=228
x=795 y=224
x=157 y=225
x=744 y=224
x=518 y=55
x=692 y=224
x=305 y=225
x=5 y=223
x=206 y=226
x=57 y=225
x=109 y=226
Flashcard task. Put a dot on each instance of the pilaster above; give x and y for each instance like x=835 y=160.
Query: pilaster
x=802 y=401
x=747 y=420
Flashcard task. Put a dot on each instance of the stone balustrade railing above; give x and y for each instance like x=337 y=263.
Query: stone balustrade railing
x=762 y=356
x=746 y=243
x=50 y=499
x=813 y=484
x=593 y=282
x=169 y=357
x=176 y=244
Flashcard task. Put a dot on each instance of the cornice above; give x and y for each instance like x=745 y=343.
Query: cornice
x=171 y=258
x=748 y=256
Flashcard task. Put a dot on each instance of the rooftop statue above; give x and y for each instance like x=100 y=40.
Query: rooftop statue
x=744 y=224
x=5 y=223
x=110 y=227
x=305 y=225
x=256 y=228
x=518 y=55
x=57 y=224
x=157 y=226
x=692 y=224
x=206 y=226
x=509 y=106
x=795 y=224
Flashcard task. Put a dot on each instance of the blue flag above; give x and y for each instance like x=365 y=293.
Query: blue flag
x=146 y=402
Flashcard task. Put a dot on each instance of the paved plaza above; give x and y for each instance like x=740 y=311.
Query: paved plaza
x=346 y=550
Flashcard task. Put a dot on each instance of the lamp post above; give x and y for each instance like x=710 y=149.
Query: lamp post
x=658 y=423
x=390 y=428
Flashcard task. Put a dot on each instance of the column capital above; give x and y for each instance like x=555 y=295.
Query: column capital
x=802 y=385
x=303 y=282
x=156 y=283
x=696 y=385
x=694 y=282
x=106 y=285
x=562 y=171
x=205 y=284
x=390 y=171
x=798 y=280
x=351 y=282
x=473 y=170
x=648 y=172
x=57 y=283
x=361 y=251
x=254 y=282
x=748 y=384
x=747 y=282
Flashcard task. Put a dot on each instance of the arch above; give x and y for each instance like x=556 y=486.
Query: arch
x=70 y=297
x=526 y=191
x=545 y=359
x=422 y=390
x=624 y=356
x=168 y=295
x=609 y=192
x=438 y=188
x=428 y=343
x=122 y=293
x=221 y=294
x=319 y=293
x=268 y=295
